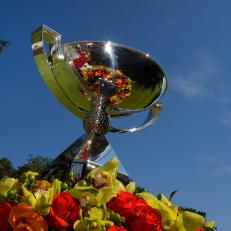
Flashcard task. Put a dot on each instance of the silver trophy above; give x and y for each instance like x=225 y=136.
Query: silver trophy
x=97 y=81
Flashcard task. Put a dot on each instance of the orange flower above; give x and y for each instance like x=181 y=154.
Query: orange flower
x=24 y=218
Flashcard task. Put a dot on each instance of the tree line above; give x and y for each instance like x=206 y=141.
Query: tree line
x=34 y=163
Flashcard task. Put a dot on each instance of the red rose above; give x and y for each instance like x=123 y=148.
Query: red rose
x=64 y=211
x=79 y=62
x=138 y=214
x=5 y=209
x=124 y=204
x=199 y=229
x=116 y=228
x=146 y=218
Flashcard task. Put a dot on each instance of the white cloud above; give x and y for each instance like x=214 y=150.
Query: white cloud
x=225 y=119
x=201 y=79
x=210 y=159
x=216 y=165
x=227 y=168
x=189 y=87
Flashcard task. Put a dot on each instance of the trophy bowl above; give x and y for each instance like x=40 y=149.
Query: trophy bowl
x=70 y=71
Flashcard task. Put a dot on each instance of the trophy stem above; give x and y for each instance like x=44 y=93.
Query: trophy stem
x=96 y=123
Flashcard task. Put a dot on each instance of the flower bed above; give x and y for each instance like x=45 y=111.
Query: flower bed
x=99 y=202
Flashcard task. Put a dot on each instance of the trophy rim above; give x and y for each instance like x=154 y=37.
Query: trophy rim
x=127 y=111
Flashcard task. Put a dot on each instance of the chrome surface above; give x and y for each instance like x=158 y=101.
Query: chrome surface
x=45 y=42
x=101 y=152
x=148 y=79
x=151 y=118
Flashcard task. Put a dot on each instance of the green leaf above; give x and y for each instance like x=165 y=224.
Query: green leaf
x=116 y=218
x=29 y=196
x=159 y=196
x=56 y=185
x=131 y=187
x=210 y=224
x=105 y=194
x=191 y=221
x=80 y=226
x=209 y=229
x=165 y=200
x=111 y=165
x=179 y=225
x=118 y=186
x=6 y=185
x=168 y=213
x=106 y=223
x=173 y=194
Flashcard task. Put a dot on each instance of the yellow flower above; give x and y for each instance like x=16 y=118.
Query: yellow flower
x=41 y=200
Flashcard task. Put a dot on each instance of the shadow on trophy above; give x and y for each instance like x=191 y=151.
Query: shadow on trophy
x=97 y=81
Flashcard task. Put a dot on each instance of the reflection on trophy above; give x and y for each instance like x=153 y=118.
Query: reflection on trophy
x=97 y=81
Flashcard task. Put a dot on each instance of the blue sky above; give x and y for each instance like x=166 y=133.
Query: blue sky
x=189 y=146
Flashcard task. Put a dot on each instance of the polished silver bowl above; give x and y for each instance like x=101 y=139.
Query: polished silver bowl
x=56 y=64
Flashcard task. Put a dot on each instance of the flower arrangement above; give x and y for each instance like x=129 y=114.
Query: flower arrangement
x=99 y=202
x=121 y=81
x=91 y=75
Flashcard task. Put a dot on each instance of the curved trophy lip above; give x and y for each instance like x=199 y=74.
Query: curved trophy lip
x=127 y=111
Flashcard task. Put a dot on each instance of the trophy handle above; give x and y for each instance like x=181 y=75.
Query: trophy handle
x=154 y=112
x=42 y=38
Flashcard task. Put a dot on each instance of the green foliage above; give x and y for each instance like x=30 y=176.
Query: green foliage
x=6 y=168
x=3 y=44
x=193 y=210
x=116 y=218
x=34 y=163
x=6 y=185
x=131 y=187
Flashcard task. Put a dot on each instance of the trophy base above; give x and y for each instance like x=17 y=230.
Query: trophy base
x=69 y=161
